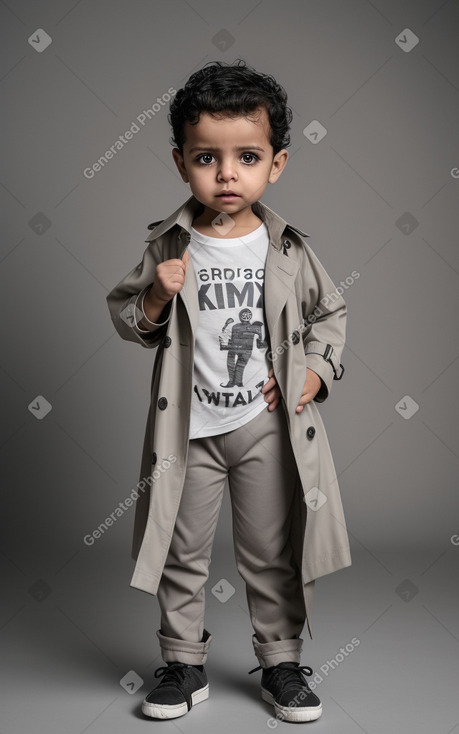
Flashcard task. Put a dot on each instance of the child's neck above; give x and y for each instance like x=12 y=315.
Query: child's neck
x=203 y=224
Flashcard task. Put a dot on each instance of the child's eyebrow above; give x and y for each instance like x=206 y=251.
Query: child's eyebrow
x=236 y=148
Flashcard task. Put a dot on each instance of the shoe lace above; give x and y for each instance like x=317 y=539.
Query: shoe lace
x=291 y=675
x=174 y=672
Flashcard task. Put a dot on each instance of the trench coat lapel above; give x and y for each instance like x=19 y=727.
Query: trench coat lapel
x=189 y=295
x=280 y=273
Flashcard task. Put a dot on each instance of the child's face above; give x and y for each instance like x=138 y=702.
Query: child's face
x=229 y=154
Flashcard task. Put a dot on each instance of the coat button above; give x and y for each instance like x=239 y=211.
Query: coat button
x=295 y=337
x=167 y=341
x=311 y=432
x=162 y=403
x=153 y=457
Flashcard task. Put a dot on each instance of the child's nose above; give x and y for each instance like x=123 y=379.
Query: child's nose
x=227 y=170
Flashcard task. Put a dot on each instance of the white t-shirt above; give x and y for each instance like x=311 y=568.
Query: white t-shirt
x=230 y=358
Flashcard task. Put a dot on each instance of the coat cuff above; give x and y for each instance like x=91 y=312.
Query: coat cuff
x=139 y=314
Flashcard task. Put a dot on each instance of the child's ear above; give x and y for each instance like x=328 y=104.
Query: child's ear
x=179 y=162
x=278 y=165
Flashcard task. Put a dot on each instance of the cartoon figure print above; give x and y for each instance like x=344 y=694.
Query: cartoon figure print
x=240 y=345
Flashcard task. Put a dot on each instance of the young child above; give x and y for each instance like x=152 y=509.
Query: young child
x=249 y=330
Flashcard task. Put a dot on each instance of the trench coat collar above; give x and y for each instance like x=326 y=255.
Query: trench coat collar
x=184 y=215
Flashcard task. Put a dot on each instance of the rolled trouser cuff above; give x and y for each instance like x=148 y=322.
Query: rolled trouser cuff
x=280 y=651
x=174 y=649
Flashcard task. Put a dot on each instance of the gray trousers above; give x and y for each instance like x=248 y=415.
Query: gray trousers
x=266 y=495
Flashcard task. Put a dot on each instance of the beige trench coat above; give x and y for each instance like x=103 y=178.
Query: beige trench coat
x=306 y=320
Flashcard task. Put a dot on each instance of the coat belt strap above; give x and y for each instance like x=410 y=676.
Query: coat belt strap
x=328 y=353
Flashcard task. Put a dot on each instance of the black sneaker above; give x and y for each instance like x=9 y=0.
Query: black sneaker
x=181 y=687
x=284 y=686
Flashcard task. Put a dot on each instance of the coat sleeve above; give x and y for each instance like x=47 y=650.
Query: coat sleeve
x=125 y=300
x=324 y=322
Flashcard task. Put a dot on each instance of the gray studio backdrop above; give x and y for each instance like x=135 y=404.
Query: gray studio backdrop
x=373 y=177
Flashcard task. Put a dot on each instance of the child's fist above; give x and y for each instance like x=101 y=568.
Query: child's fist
x=170 y=278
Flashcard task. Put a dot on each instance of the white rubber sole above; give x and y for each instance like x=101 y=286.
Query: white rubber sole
x=287 y=713
x=165 y=711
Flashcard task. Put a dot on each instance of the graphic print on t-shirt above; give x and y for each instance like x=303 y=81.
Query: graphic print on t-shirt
x=239 y=345
x=231 y=345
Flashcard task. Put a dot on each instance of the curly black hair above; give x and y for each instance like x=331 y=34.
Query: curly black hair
x=233 y=90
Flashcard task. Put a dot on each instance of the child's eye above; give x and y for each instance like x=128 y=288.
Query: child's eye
x=250 y=155
x=200 y=158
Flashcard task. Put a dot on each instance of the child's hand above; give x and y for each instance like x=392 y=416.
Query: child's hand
x=310 y=389
x=271 y=391
x=170 y=278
